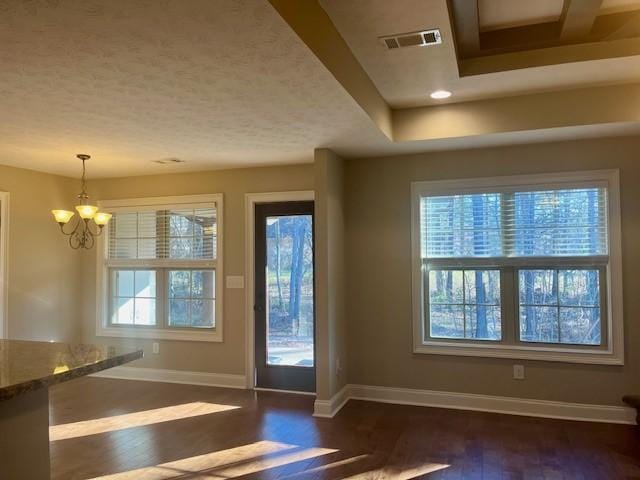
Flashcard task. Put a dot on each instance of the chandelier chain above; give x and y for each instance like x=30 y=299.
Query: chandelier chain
x=84 y=158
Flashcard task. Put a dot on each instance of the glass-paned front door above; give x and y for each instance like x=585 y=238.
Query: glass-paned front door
x=284 y=309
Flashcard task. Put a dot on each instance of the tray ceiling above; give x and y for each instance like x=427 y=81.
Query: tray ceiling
x=406 y=77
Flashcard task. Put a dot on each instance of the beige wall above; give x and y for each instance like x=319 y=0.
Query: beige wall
x=364 y=271
x=523 y=113
x=331 y=321
x=379 y=274
x=44 y=290
x=228 y=356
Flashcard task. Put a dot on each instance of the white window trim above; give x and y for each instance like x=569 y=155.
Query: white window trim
x=612 y=354
x=102 y=282
x=4 y=265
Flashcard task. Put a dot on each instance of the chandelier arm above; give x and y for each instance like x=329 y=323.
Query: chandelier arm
x=98 y=231
x=75 y=240
x=86 y=234
x=89 y=240
x=75 y=229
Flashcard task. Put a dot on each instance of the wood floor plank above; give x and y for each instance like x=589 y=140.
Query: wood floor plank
x=117 y=429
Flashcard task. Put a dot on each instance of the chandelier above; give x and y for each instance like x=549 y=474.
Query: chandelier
x=82 y=236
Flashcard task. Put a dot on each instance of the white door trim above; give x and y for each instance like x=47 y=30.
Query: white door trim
x=250 y=201
x=4 y=264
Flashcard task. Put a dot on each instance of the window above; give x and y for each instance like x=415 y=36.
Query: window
x=465 y=303
x=159 y=269
x=520 y=267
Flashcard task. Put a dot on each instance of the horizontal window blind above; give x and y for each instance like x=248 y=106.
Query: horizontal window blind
x=545 y=223
x=167 y=233
x=462 y=226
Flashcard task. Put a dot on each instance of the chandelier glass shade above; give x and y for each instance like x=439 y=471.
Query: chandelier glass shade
x=82 y=235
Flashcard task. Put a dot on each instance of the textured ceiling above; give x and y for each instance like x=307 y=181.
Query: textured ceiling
x=405 y=77
x=217 y=83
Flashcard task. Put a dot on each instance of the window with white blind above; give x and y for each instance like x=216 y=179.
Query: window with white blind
x=520 y=267
x=161 y=268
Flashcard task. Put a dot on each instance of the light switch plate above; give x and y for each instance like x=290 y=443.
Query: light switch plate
x=235 y=281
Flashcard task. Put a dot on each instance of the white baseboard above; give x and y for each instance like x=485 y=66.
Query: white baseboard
x=175 y=376
x=402 y=396
x=328 y=408
x=483 y=403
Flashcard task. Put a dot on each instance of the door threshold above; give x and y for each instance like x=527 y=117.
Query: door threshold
x=275 y=390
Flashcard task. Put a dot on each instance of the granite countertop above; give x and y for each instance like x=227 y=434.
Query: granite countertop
x=27 y=366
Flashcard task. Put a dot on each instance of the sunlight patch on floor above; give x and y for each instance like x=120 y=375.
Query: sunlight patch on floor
x=328 y=466
x=399 y=473
x=135 y=419
x=230 y=463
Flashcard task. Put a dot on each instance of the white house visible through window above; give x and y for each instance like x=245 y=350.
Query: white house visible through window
x=160 y=268
x=518 y=264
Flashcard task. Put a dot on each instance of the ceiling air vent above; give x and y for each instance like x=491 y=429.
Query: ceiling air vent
x=168 y=161
x=422 y=38
x=391 y=43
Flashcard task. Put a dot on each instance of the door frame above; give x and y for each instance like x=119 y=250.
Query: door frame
x=4 y=265
x=251 y=200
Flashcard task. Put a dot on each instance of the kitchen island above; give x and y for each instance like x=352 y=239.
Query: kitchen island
x=27 y=370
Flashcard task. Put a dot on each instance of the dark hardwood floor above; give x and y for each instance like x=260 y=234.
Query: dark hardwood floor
x=115 y=429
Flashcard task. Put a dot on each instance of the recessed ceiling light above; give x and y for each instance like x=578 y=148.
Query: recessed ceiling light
x=440 y=94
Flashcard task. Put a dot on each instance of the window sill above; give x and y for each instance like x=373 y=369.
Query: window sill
x=566 y=355
x=160 y=334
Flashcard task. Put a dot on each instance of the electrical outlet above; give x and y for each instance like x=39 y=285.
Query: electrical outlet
x=156 y=347
x=518 y=372
x=338 y=367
